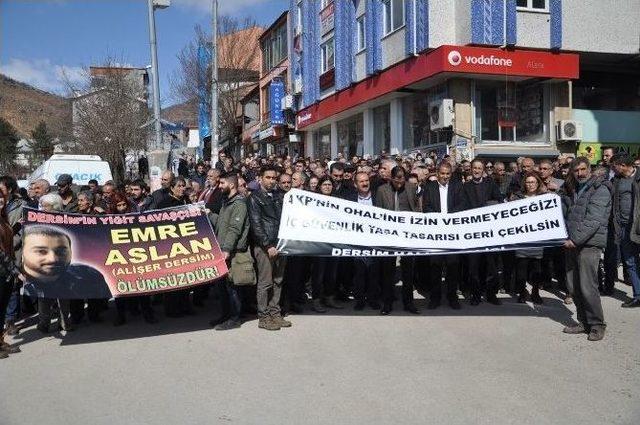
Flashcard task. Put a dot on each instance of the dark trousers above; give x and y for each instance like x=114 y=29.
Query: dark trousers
x=177 y=303
x=5 y=293
x=508 y=268
x=407 y=268
x=323 y=277
x=344 y=282
x=366 y=279
x=582 y=278
x=553 y=266
x=482 y=274
x=143 y=301
x=94 y=307
x=422 y=274
x=296 y=275
x=611 y=259
x=450 y=264
x=230 y=301
x=527 y=270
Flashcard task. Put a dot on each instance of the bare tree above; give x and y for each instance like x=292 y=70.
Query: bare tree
x=238 y=68
x=111 y=116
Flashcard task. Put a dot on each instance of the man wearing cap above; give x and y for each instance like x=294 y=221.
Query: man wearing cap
x=69 y=200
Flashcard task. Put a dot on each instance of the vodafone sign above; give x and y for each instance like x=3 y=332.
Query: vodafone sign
x=529 y=63
x=455 y=58
x=448 y=62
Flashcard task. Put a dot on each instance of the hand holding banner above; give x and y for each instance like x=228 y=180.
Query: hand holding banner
x=314 y=224
x=93 y=256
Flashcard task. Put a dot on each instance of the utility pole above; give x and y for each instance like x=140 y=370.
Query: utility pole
x=154 y=74
x=214 y=83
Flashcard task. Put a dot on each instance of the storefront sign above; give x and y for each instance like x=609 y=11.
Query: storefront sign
x=276 y=93
x=264 y=134
x=303 y=118
x=521 y=62
x=473 y=61
x=593 y=150
x=327 y=21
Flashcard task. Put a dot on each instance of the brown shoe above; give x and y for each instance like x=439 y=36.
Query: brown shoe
x=279 y=320
x=575 y=329
x=596 y=333
x=9 y=349
x=11 y=329
x=268 y=324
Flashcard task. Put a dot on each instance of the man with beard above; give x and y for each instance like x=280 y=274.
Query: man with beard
x=40 y=188
x=232 y=233
x=69 y=200
x=49 y=273
x=138 y=190
x=587 y=219
x=265 y=209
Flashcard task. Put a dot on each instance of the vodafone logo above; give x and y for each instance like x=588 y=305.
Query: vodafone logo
x=454 y=57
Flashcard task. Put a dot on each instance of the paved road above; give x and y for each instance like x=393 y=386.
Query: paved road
x=484 y=365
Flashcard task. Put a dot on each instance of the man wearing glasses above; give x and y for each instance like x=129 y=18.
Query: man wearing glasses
x=69 y=199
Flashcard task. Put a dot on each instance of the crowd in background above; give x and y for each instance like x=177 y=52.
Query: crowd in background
x=244 y=203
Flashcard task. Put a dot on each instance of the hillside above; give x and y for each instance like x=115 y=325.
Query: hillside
x=25 y=106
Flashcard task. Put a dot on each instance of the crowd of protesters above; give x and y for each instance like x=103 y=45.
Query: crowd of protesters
x=244 y=203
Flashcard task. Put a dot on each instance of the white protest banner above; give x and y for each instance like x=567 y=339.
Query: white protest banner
x=314 y=224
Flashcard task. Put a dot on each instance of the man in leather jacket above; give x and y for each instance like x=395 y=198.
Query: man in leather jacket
x=265 y=208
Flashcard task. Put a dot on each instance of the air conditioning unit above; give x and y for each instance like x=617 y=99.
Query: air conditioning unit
x=287 y=102
x=441 y=114
x=569 y=130
x=297 y=85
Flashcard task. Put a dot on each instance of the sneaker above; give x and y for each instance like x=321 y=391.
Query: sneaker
x=268 y=324
x=575 y=329
x=596 y=333
x=227 y=325
x=280 y=321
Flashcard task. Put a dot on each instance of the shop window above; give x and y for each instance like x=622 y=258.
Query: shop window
x=381 y=129
x=362 y=38
x=393 y=15
x=322 y=143
x=416 y=129
x=533 y=5
x=606 y=91
x=350 y=138
x=327 y=56
x=510 y=112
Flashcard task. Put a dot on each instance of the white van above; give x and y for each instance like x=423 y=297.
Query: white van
x=81 y=167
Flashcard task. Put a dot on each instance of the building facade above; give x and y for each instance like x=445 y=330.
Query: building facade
x=488 y=78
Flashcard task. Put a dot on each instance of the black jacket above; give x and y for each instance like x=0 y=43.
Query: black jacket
x=477 y=195
x=264 y=216
x=431 y=197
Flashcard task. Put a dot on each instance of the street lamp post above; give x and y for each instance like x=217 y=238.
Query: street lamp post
x=152 y=5
x=214 y=83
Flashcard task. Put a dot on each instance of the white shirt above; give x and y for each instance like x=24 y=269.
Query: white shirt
x=443 y=197
x=365 y=201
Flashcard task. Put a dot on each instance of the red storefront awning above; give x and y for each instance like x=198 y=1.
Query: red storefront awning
x=444 y=59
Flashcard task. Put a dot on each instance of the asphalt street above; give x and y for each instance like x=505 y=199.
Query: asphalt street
x=480 y=365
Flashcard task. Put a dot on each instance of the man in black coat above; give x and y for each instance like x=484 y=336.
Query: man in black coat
x=265 y=209
x=479 y=192
x=443 y=196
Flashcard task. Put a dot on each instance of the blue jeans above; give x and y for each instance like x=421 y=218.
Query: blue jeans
x=13 y=308
x=629 y=254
